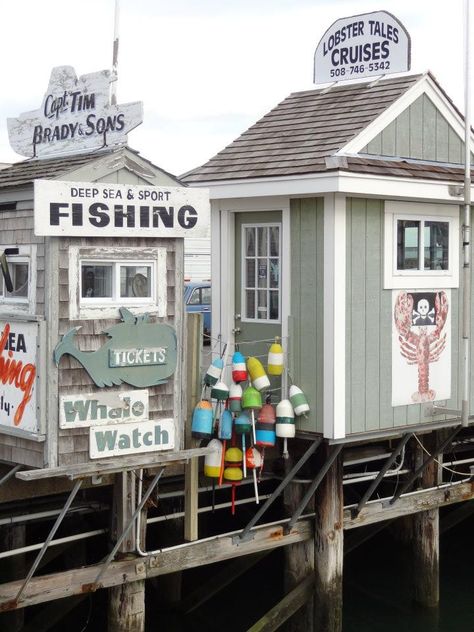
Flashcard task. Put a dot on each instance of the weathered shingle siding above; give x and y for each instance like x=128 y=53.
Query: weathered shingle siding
x=73 y=444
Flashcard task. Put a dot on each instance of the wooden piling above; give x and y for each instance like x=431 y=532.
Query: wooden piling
x=425 y=538
x=299 y=561
x=329 y=549
x=126 y=611
x=13 y=537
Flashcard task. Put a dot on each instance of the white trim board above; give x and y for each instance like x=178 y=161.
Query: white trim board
x=334 y=347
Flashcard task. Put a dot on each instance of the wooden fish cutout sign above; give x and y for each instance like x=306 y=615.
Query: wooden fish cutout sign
x=138 y=353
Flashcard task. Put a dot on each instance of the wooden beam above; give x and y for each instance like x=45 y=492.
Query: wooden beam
x=286 y=608
x=125 y=464
x=377 y=510
x=79 y=581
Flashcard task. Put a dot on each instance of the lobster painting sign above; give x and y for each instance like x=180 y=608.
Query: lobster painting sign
x=421 y=347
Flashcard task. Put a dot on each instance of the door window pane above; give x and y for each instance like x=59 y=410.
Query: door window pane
x=262 y=241
x=262 y=272
x=408 y=249
x=135 y=281
x=274 y=272
x=206 y=295
x=436 y=239
x=262 y=305
x=250 y=264
x=274 y=241
x=250 y=304
x=274 y=308
x=250 y=242
x=195 y=298
x=96 y=281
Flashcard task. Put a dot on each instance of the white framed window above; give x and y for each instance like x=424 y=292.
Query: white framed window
x=22 y=271
x=103 y=279
x=117 y=281
x=421 y=245
x=261 y=278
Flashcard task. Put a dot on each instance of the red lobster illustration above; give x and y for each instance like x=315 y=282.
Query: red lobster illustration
x=424 y=347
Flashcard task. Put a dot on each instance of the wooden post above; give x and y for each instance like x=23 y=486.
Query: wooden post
x=13 y=537
x=299 y=560
x=193 y=381
x=329 y=549
x=425 y=540
x=126 y=611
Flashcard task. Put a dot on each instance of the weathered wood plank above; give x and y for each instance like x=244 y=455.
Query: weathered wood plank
x=411 y=503
x=125 y=464
x=79 y=581
x=290 y=604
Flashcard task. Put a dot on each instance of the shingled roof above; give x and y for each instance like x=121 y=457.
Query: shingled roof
x=298 y=134
x=26 y=171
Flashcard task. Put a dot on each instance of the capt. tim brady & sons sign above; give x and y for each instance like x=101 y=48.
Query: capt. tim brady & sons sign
x=75 y=115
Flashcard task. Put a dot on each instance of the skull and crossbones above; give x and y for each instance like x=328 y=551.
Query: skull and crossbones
x=423 y=313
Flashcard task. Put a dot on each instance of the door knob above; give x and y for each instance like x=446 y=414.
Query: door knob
x=237 y=316
x=236 y=331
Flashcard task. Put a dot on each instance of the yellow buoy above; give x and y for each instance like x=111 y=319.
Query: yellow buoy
x=257 y=374
x=275 y=358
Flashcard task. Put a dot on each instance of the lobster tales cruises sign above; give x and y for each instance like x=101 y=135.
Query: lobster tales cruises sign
x=86 y=209
x=75 y=116
x=366 y=45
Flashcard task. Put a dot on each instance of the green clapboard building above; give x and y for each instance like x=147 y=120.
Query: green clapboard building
x=336 y=224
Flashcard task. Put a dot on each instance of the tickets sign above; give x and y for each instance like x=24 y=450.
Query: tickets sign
x=366 y=45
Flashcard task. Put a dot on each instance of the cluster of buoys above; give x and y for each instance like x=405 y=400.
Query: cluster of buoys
x=239 y=411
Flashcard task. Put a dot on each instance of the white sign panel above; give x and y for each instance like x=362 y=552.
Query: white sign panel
x=75 y=116
x=107 y=407
x=133 y=438
x=364 y=45
x=19 y=375
x=92 y=209
x=421 y=346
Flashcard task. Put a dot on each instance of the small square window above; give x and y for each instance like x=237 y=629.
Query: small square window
x=21 y=297
x=421 y=245
x=96 y=281
x=135 y=281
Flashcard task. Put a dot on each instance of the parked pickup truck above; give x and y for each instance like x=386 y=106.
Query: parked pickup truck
x=197 y=298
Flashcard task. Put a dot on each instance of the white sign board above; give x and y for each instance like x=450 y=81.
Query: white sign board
x=75 y=116
x=366 y=45
x=421 y=346
x=133 y=438
x=19 y=375
x=105 y=407
x=92 y=209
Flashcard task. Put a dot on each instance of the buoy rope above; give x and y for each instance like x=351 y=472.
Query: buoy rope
x=445 y=467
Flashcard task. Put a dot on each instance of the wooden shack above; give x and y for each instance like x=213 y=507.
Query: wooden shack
x=336 y=224
x=51 y=297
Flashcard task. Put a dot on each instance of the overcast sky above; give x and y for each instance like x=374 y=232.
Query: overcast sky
x=204 y=69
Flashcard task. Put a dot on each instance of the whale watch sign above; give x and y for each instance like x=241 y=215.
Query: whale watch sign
x=75 y=115
x=366 y=45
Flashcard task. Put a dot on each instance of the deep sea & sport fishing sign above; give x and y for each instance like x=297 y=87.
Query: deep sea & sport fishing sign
x=366 y=45
x=93 y=209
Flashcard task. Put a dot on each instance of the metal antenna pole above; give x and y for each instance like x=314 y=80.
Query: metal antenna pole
x=113 y=85
x=466 y=230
